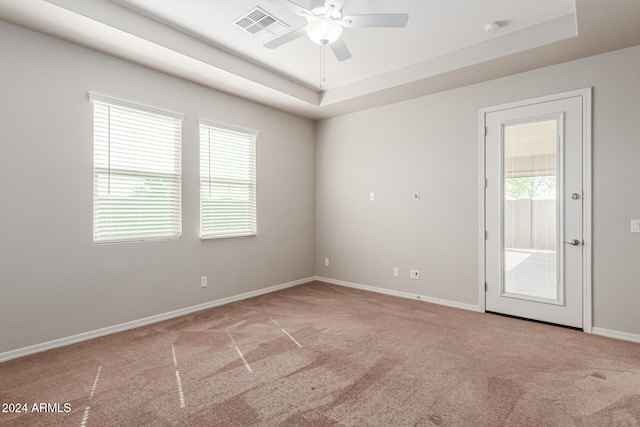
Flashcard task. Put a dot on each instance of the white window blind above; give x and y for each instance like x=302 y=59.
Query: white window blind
x=227 y=181
x=137 y=172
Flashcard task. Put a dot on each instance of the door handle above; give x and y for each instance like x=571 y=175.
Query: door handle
x=574 y=242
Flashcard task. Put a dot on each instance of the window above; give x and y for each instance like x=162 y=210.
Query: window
x=137 y=172
x=227 y=181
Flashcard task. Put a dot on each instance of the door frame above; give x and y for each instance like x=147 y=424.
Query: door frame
x=587 y=292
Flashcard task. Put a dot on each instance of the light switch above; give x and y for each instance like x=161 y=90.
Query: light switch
x=635 y=225
x=372 y=197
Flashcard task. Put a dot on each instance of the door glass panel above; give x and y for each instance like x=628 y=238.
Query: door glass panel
x=530 y=210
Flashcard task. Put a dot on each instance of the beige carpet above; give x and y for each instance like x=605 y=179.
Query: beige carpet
x=324 y=355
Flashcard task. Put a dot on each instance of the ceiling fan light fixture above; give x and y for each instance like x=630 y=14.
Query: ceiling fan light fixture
x=324 y=31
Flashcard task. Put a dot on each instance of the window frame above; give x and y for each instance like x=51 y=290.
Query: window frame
x=251 y=136
x=172 y=228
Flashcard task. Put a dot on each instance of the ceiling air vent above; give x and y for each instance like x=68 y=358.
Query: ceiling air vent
x=257 y=21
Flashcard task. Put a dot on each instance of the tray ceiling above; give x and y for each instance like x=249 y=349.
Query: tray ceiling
x=443 y=46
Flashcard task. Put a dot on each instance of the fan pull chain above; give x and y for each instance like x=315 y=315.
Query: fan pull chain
x=323 y=64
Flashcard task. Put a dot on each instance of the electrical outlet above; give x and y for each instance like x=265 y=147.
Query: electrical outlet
x=326 y=262
x=416 y=195
x=396 y=272
x=415 y=274
x=203 y=282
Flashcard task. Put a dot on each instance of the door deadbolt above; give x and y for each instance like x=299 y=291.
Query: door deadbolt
x=575 y=196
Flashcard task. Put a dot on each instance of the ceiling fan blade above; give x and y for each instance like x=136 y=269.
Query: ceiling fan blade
x=377 y=20
x=291 y=7
x=286 y=38
x=340 y=50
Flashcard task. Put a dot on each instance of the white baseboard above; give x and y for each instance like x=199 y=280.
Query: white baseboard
x=37 y=348
x=625 y=336
x=616 y=334
x=401 y=294
x=85 y=336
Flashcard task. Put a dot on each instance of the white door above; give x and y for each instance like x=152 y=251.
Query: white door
x=534 y=211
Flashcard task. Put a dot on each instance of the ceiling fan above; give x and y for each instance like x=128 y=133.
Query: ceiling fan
x=325 y=23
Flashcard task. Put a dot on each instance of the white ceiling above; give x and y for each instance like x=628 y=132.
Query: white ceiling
x=443 y=45
x=435 y=27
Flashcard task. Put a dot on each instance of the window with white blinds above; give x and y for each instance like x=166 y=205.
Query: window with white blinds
x=227 y=180
x=137 y=172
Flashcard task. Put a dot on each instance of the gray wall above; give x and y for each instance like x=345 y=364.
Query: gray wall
x=431 y=145
x=54 y=282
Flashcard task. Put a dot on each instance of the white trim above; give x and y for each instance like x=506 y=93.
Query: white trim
x=37 y=348
x=625 y=336
x=96 y=97
x=587 y=211
x=226 y=126
x=482 y=182
x=401 y=294
x=587 y=281
x=539 y=100
x=85 y=336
